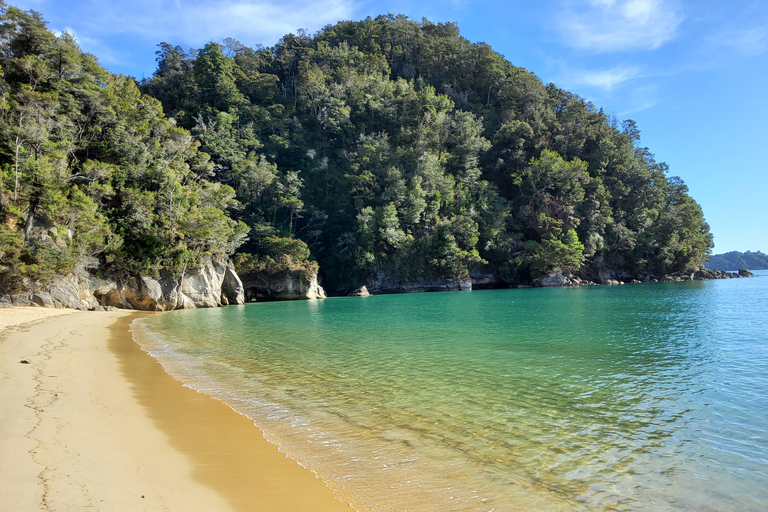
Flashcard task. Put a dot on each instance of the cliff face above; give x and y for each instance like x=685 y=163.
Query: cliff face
x=287 y=285
x=386 y=284
x=214 y=283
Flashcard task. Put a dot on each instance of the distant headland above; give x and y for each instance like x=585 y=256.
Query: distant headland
x=735 y=260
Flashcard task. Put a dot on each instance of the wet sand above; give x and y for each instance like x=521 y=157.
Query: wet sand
x=92 y=422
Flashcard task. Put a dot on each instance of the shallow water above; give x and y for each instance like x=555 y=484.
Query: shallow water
x=644 y=397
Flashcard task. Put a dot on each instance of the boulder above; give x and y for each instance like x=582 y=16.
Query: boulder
x=22 y=300
x=42 y=299
x=551 y=280
x=360 y=292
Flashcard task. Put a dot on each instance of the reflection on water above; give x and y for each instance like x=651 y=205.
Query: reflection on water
x=648 y=397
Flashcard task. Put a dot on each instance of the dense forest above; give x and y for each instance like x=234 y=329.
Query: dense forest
x=384 y=149
x=736 y=260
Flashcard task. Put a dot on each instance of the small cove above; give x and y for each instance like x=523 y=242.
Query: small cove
x=645 y=397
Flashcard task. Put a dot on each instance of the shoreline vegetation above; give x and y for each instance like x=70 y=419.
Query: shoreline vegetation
x=384 y=153
x=91 y=420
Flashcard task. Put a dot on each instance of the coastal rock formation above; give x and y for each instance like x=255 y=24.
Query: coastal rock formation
x=613 y=278
x=486 y=280
x=214 y=283
x=287 y=285
x=385 y=285
x=360 y=292
x=552 y=280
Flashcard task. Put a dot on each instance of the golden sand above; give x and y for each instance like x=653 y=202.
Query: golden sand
x=94 y=423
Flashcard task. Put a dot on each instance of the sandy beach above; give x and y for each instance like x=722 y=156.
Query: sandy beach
x=88 y=421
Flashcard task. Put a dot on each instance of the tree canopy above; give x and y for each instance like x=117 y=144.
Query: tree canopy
x=92 y=171
x=381 y=149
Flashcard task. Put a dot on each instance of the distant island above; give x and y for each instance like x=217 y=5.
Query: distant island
x=735 y=260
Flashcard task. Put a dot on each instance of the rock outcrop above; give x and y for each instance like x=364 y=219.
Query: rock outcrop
x=287 y=285
x=214 y=283
x=486 y=281
x=359 y=292
x=384 y=285
x=552 y=280
x=612 y=278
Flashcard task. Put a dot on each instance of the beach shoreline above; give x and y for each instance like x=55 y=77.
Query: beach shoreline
x=90 y=421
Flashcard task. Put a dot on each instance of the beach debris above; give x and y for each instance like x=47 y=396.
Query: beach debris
x=24 y=361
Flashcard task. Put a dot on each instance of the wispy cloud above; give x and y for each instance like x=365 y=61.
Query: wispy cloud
x=607 y=79
x=196 y=22
x=602 y=80
x=623 y=89
x=93 y=46
x=617 y=25
x=748 y=42
x=641 y=98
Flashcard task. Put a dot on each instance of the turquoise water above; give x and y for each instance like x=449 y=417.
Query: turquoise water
x=645 y=397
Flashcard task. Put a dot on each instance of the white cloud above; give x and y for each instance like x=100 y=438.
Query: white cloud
x=617 y=25
x=605 y=80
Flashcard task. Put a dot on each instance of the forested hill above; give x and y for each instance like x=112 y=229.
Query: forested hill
x=736 y=260
x=382 y=149
x=91 y=171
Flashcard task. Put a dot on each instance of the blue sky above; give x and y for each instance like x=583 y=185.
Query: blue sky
x=692 y=74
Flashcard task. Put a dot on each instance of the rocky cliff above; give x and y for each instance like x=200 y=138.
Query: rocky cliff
x=285 y=285
x=386 y=284
x=214 y=283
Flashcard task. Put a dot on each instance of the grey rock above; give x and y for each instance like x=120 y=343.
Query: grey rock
x=384 y=284
x=232 y=286
x=480 y=280
x=43 y=299
x=551 y=280
x=282 y=286
x=21 y=299
x=213 y=284
x=360 y=292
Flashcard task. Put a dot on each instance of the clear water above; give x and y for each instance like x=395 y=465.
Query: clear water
x=648 y=397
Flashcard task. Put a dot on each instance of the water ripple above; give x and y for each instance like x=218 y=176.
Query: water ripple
x=651 y=397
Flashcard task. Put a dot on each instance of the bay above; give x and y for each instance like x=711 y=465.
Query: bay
x=642 y=397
